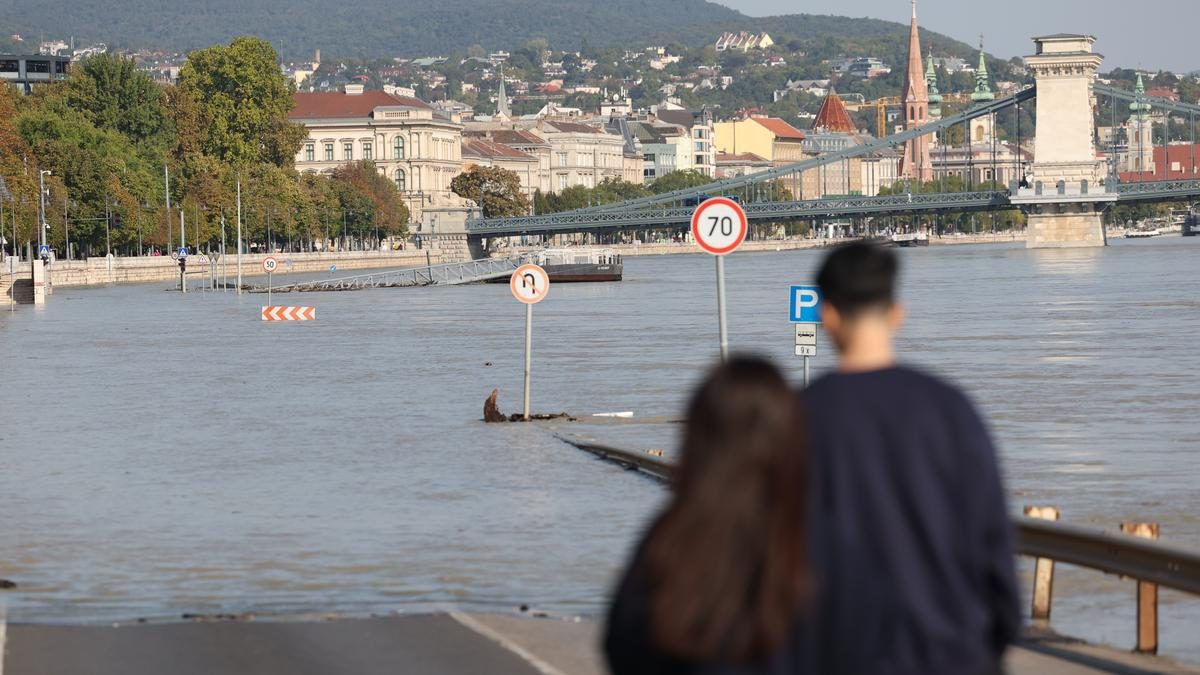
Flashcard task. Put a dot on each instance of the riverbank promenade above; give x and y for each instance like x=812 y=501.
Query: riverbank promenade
x=430 y=644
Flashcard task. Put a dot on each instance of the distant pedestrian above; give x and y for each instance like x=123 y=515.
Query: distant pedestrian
x=911 y=543
x=719 y=583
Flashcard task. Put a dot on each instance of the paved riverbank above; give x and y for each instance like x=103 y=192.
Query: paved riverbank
x=433 y=644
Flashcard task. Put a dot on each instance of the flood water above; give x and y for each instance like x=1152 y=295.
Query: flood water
x=162 y=454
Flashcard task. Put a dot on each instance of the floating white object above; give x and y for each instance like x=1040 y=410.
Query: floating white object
x=614 y=414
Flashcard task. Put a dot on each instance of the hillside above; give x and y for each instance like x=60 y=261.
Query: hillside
x=380 y=28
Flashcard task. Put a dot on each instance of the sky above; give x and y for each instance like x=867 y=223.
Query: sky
x=1149 y=34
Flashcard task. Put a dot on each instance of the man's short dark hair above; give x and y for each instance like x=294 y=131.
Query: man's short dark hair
x=859 y=276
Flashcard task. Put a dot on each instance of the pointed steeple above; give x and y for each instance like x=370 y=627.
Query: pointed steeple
x=833 y=116
x=983 y=91
x=502 y=98
x=935 y=96
x=1140 y=108
x=914 y=83
x=917 y=164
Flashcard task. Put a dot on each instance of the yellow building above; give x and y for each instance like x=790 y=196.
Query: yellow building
x=768 y=137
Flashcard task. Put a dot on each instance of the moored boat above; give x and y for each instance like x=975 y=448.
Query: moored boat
x=910 y=240
x=567 y=265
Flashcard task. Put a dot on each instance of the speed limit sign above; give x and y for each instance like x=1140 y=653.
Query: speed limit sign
x=719 y=225
x=269 y=265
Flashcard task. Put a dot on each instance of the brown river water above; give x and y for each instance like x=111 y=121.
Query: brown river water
x=164 y=454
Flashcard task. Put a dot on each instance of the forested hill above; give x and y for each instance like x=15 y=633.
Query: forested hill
x=380 y=28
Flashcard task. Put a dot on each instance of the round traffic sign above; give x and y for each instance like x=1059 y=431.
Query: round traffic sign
x=269 y=265
x=529 y=284
x=719 y=225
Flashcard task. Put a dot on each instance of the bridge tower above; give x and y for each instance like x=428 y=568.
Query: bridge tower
x=1065 y=201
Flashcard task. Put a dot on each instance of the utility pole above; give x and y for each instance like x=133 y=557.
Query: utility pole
x=167 y=188
x=42 y=205
x=239 y=235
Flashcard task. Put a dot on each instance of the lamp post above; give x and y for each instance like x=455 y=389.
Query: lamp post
x=42 y=205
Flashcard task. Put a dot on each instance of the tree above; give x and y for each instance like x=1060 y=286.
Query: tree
x=244 y=99
x=112 y=94
x=370 y=198
x=679 y=180
x=497 y=191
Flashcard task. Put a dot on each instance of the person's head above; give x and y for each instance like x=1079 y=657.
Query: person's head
x=727 y=561
x=858 y=293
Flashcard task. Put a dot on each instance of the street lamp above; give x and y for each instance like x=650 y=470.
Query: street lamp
x=42 y=173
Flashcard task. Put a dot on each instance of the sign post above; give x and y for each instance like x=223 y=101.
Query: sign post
x=269 y=265
x=529 y=284
x=804 y=311
x=719 y=226
x=181 y=254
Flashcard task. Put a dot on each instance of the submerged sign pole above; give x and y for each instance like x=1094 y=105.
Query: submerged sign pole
x=269 y=265
x=529 y=284
x=719 y=226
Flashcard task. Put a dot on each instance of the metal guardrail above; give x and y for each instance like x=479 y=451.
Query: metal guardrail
x=1142 y=559
x=448 y=274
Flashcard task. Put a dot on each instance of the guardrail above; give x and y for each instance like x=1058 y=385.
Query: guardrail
x=1129 y=553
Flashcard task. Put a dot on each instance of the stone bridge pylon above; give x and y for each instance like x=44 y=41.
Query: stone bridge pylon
x=1066 y=196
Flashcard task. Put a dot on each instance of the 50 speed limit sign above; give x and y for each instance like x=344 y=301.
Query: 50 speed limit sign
x=719 y=225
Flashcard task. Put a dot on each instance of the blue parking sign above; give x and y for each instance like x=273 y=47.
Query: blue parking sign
x=805 y=306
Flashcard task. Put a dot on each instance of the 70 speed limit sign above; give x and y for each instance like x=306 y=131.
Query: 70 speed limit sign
x=719 y=225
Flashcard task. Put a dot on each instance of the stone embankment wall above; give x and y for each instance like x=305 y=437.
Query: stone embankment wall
x=96 y=271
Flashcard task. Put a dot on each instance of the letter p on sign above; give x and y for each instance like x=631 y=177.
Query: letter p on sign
x=805 y=306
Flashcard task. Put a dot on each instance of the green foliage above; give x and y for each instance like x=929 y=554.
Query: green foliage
x=495 y=190
x=245 y=99
x=112 y=94
x=609 y=191
x=679 y=180
x=381 y=28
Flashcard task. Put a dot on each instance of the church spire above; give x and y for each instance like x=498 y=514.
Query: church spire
x=935 y=96
x=1140 y=108
x=917 y=164
x=983 y=91
x=914 y=83
x=502 y=98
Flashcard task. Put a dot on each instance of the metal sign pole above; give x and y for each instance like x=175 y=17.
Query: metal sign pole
x=723 y=325
x=268 y=289
x=528 y=353
x=806 y=372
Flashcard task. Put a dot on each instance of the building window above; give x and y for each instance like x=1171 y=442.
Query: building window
x=562 y=181
x=348 y=152
x=401 y=180
x=398 y=148
x=329 y=152
x=368 y=151
x=310 y=153
x=562 y=158
x=37 y=66
x=416 y=146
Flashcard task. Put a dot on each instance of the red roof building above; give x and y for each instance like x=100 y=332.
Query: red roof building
x=780 y=128
x=1174 y=162
x=833 y=116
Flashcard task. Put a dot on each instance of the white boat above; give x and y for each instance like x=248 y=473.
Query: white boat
x=1141 y=234
x=909 y=240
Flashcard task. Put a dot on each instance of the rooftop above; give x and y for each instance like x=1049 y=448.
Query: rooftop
x=780 y=128
x=339 y=105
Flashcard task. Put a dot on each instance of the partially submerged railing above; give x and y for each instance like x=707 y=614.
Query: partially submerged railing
x=447 y=274
x=1133 y=553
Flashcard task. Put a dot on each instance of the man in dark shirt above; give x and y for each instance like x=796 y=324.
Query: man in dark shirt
x=911 y=539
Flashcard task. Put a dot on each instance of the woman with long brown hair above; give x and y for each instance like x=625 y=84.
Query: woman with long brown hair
x=719 y=583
